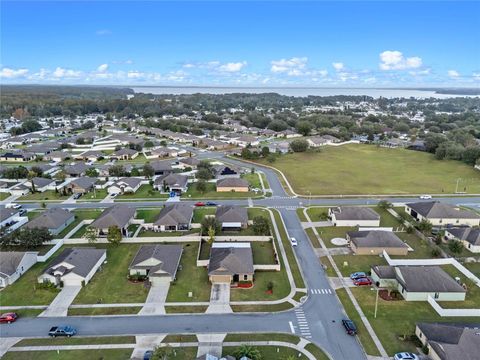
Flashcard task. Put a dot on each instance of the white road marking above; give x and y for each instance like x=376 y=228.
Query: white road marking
x=292 y=329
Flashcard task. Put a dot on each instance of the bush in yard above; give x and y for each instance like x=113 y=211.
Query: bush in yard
x=47 y=285
x=409 y=229
x=260 y=226
x=91 y=235
x=248 y=351
x=114 y=235
x=425 y=226
x=208 y=223
x=26 y=238
x=455 y=247
x=271 y=158
x=384 y=204
x=436 y=252
x=299 y=145
x=201 y=186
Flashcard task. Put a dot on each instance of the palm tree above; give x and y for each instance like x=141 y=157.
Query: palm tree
x=249 y=351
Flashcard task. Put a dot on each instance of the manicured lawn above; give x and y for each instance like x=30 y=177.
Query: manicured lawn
x=97 y=195
x=318 y=213
x=144 y=192
x=79 y=216
x=149 y=215
x=241 y=337
x=25 y=312
x=265 y=181
x=174 y=338
x=366 y=169
x=473 y=267
x=4 y=195
x=263 y=252
x=110 y=285
x=281 y=287
x=387 y=219
x=313 y=238
x=104 y=311
x=190 y=278
x=211 y=193
x=472 y=299
x=185 y=309
x=103 y=354
x=268 y=352
x=422 y=249
x=301 y=215
x=46 y=195
x=348 y=264
x=330 y=232
x=77 y=341
x=80 y=232
x=151 y=233
x=316 y=351
x=253 y=180
x=262 y=308
x=200 y=212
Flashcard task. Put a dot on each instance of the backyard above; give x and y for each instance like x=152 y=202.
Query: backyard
x=80 y=215
x=396 y=171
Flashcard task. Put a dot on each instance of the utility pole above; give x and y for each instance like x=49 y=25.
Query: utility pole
x=456 y=187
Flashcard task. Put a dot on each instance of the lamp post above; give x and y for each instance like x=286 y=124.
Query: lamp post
x=376 y=301
x=309 y=197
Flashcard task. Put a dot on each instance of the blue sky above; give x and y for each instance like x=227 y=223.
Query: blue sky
x=248 y=43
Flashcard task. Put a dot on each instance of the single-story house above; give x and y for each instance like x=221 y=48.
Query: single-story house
x=230 y=263
x=384 y=276
x=19 y=156
x=189 y=162
x=175 y=217
x=232 y=184
x=417 y=283
x=57 y=156
x=279 y=147
x=117 y=215
x=171 y=182
x=245 y=140
x=156 y=261
x=41 y=184
x=232 y=217
x=374 y=242
x=90 y=155
x=470 y=237
x=19 y=189
x=353 y=216
x=54 y=219
x=81 y=185
x=441 y=214
x=76 y=170
x=162 y=167
x=74 y=266
x=13 y=264
x=161 y=152
x=450 y=341
x=124 y=154
x=8 y=216
x=125 y=185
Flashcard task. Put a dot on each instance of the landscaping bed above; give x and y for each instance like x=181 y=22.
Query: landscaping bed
x=268 y=352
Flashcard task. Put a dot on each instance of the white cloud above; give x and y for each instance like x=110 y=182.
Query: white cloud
x=9 y=73
x=133 y=74
x=476 y=76
x=103 y=32
x=232 y=66
x=394 y=60
x=453 y=73
x=291 y=66
x=60 y=73
x=189 y=66
x=338 y=66
x=102 y=68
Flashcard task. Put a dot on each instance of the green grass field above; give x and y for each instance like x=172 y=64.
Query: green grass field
x=46 y=195
x=365 y=169
x=143 y=192
x=212 y=193
x=4 y=195
x=269 y=352
x=104 y=354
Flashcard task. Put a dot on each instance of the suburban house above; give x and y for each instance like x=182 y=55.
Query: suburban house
x=171 y=182
x=57 y=156
x=440 y=214
x=450 y=341
x=19 y=156
x=317 y=141
x=161 y=152
x=175 y=217
x=124 y=154
x=90 y=155
x=374 y=242
x=13 y=264
x=54 y=219
x=41 y=184
x=417 y=283
x=279 y=147
x=75 y=170
x=189 y=162
x=230 y=263
x=470 y=237
x=117 y=215
x=125 y=185
x=232 y=184
x=162 y=167
x=9 y=216
x=81 y=185
x=74 y=266
x=232 y=217
x=245 y=140
x=156 y=262
x=353 y=216
x=223 y=171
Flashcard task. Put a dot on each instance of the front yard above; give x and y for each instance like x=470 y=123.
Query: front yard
x=80 y=215
x=145 y=191
x=45 y=196
x=211 y=193
x=97 y=195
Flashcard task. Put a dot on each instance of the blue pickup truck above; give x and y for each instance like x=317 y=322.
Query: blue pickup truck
x=62 y=331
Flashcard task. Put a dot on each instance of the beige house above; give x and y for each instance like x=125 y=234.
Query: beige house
x=230 y=263
x=440 y=214
x=375 y=242
x=232 y=184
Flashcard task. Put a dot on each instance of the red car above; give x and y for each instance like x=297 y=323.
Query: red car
x=8 y=318
x=200 y=203
x=362 y=281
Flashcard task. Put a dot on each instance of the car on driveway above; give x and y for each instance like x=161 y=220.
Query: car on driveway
x=349 y=326
x=362 y=282
x=199 y=203
x=8 y=318
x=358 y=275
x=425 y=197
x=148 y=355
x=210 y=203
x=62 y=331
x=294 y=241
x=405 y=356
x=77 y=196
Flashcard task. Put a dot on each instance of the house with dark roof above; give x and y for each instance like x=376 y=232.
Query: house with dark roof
x=188 y=162
x=81 y=185
x=232 y=217
x=375 y=242
x=156 y=262
x=90 y=155
x=76 y=170
x=417 y=283
x=225 y=171
x=124 y=154
x=230 y=263
x=117 y=215
x=41 y=184
x=13 y=264
x=162 y=167
x=175 y=217
x=125 y=185
x=171 y=183
x=450 y=341
x=54 y=219
x=74 y=266
x=470 y=237
x=441 y=214
x=353 y=216
x=18 y=156
x=232 y=184
x=57 y=156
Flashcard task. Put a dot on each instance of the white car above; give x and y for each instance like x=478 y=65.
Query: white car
x=294 y=241
x=405 y=356
x=425 y=197
x=13 y=206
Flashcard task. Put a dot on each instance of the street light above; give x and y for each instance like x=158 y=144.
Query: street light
x=376 y=301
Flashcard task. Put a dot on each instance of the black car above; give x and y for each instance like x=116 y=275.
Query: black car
x=77 y=196
x=349 y=326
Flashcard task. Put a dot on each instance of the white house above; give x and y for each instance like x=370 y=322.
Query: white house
x=470 y=237
x=440 y=214
x=353 y=216
x=13 y=264
x=125 y=185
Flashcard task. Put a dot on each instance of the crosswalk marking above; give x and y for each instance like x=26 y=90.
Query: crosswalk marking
x=302 y=323
x=321 y=291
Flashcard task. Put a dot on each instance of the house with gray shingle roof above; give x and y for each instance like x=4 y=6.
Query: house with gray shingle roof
x=124 y=154
x=117 y=215
x=162 y=167
x=450 y=341
x=125 y=185
x=41 y=184
x=230 y=262
x=13 y=264
x=176 y=217
x=156 y=261
x=81 y=185
x=375 y=242
x=232 y=217
x=353 y=216
x=76 y=170
x=441 y=214
x=470 y=237
x=171 y=182
x=54 y=219
x=74 y=266
x=232 y=184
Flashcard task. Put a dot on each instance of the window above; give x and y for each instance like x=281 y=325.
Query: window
x=437 y=295
x=245 y=277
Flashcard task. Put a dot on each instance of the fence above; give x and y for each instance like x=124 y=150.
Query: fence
x=45 y=257
x=452 y=312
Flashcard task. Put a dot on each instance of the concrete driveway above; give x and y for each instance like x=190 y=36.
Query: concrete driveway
x=59 y=305
x=155 y=303
x=220 y=299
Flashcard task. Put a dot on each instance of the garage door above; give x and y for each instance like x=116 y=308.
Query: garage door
x=72 y=282
x=232 y=225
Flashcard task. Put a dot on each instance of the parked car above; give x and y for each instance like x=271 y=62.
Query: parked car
x=77 y=196
x=425 y=197
x=358 y=275
x=200 y=203
x=8 y=318
x=62 y=331
x=210 y=203
x=362 y=282
x=405 y=356
x=22 y=212
x=294 y=241
x=113 y=194
x=13 y=206
x=349 y=326
x=148 y=355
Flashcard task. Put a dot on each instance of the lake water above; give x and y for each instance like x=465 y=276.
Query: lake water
x=299 y=92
